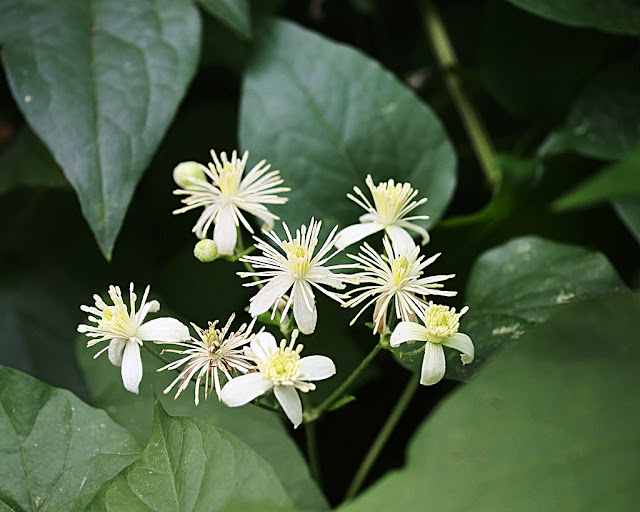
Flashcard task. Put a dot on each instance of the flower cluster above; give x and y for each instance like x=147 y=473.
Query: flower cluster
x=243 y=365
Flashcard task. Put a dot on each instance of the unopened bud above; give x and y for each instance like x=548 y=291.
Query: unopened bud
x=206 y=250
x=186 y=170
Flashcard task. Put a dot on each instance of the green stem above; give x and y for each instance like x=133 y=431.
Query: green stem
x=163 y=360
x=314 y=414
x=312 y=446
x=444 y=53
x=382 y=437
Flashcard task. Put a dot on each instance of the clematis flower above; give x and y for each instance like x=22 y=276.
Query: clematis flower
x=440 y=329
x=209 y=355
x=297 y=270
x=126 y=330
x=391 y=204
x=395 y=276
x=279 y=368
x=228 y=194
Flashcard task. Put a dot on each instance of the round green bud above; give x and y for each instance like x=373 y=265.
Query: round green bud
x=186 y=170
x=206 y=250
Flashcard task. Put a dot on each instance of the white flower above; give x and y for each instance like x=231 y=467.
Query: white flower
x=395 y=276
x=441 y=325
x=297 y=270
x=227 y=194
x=391 y=204
x=126 y=331
x=212 y=352
x=281 y=369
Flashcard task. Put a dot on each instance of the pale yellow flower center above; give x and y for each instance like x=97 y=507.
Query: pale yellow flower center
x=441 y=322
x=390 y=199
x=299 y=258
x=282 y=366
x=400 y=269
x=229 y=180
x=116 y=319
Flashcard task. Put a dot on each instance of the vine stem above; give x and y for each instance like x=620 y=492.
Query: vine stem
x=446 y=57
x=312 y=446
x=382 y=437
x=315 y=413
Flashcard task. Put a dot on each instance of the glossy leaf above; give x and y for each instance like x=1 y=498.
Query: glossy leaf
x=629 y=211
x=617 y=16
x=259 y=429
x=55 y=451
x=190 y=465
x=235 y=13
x=551 y=424
x=99 y=82
x=326 y=115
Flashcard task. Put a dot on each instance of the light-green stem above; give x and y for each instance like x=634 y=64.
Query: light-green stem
x=312 y=445
x=444 y=53
x=382 y=437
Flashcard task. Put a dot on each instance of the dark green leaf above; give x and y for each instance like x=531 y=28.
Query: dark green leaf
x=552 y=424
x=190 y=465
x=629 y=211
x=261 y=430
x=617 y=16
x=99 y=83
x=326 y=116
x=235 y=13
x=603 y=121
x=28 y=163
x=55 y=451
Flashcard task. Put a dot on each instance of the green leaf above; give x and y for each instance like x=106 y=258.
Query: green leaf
x=603 y=121
x=235 y=13
x=189 y=465
x=620 y=180
x=617 y=16
x=28 y=163
x=327 y=115
x=552 y=424
x=629 y=211
x=99 y=82
x=55 y=451
x=261 y=430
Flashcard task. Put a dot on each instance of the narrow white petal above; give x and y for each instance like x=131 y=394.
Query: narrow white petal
x=290 y=402
x=131 y=367
x=225 y=233
x=418 y=229
x=163 y=329
x=408 y=331
x=115 y=351
x=243 y=389
x=462 y=343
x=401 y=239
x=306 y=318
x=263 y=344
x=317 y=367
x=271 y=292
x=433 y=364
x=352 y=234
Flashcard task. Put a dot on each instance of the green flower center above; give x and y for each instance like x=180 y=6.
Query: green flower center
x=441 y=322
x=282 y=366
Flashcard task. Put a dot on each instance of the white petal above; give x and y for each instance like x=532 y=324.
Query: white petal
x=225 y=233
x=243 y=389
x=163 y=329
x=263 y=344
x=290 y=402
x=462 y=343
x=271 y=292
x=115 y=351
x=317 y=367
x=408 y=331
x=352 y=234
x=418 y=229
x=401 y=239
x=433 y=364
x=131 y=367
x=306 y=318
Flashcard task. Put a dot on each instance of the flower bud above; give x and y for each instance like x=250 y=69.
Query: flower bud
x=206 y=250
x=185 y=170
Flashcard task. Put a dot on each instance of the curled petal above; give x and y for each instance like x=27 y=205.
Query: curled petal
x=304 y=308
x=401 y=239
x=433 y=364
x=263 y=344
x=163 y=329
x=463 y=344
x=352 y=234
x=317 y=367
x=418 y=229
x=131 y=366
x=408 y=331
x=243 y=389
x=116 y=347
x=290 y=402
